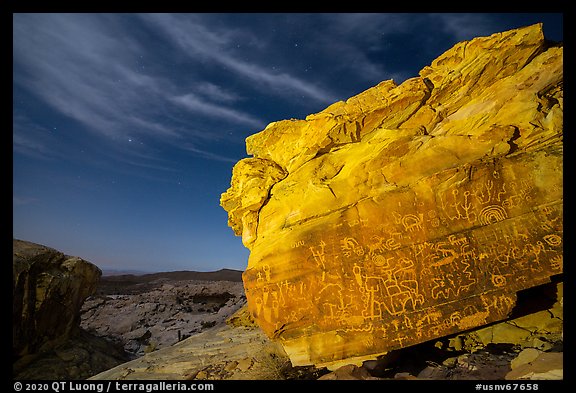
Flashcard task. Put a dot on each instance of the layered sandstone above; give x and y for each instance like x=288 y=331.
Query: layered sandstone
x=410 y=211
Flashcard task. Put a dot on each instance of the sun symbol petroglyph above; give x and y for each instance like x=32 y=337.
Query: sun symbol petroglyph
x=492 y=214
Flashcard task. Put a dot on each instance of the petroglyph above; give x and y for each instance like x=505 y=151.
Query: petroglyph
x=553 y=239
x=388 y=283
x=350 y=245
x=299 y=243
x=492 y=214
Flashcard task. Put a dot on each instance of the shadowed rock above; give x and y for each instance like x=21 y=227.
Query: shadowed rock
x=48 y=291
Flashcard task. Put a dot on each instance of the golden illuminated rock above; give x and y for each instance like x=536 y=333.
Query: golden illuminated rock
x=410 y=211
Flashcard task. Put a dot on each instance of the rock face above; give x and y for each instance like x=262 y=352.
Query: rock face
x=48 y=290
x=408 y=212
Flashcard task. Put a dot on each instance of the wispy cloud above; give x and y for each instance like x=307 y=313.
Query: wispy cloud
x=73 y=63
x=209 y=155
x=214 y=45
x=463 y=26
x=196 y=104
x=90 y=67
x=23 y=201
x=31 y=139
x=369 y=27
x=30 y=147
x=216 y=93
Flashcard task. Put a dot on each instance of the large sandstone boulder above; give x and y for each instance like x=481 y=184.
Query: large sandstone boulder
x=408 y=212
x=48 y=290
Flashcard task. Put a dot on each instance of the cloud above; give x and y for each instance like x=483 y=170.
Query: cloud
x=196 y=104
x=23 y=201
x=463 y=26
x=31 y=139
x=216 y=93
x=71 y=61
x=213 y=44
x=92 y=68
x=209 y=155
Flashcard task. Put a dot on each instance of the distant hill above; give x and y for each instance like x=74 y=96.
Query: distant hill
x=137 y=283
x=219 y=275
x=114 y=272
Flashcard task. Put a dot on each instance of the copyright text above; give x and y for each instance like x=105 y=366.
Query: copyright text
x=110 y=386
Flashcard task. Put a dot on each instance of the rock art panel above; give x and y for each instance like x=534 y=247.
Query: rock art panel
x=407 y=212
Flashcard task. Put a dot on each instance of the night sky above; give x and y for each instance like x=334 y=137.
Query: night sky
x=126 y=126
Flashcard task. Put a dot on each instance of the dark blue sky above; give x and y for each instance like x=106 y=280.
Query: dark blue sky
x=126 y=126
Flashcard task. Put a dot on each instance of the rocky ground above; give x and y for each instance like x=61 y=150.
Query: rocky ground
x=81 y=356
x=144 y=314
x=495 y=362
